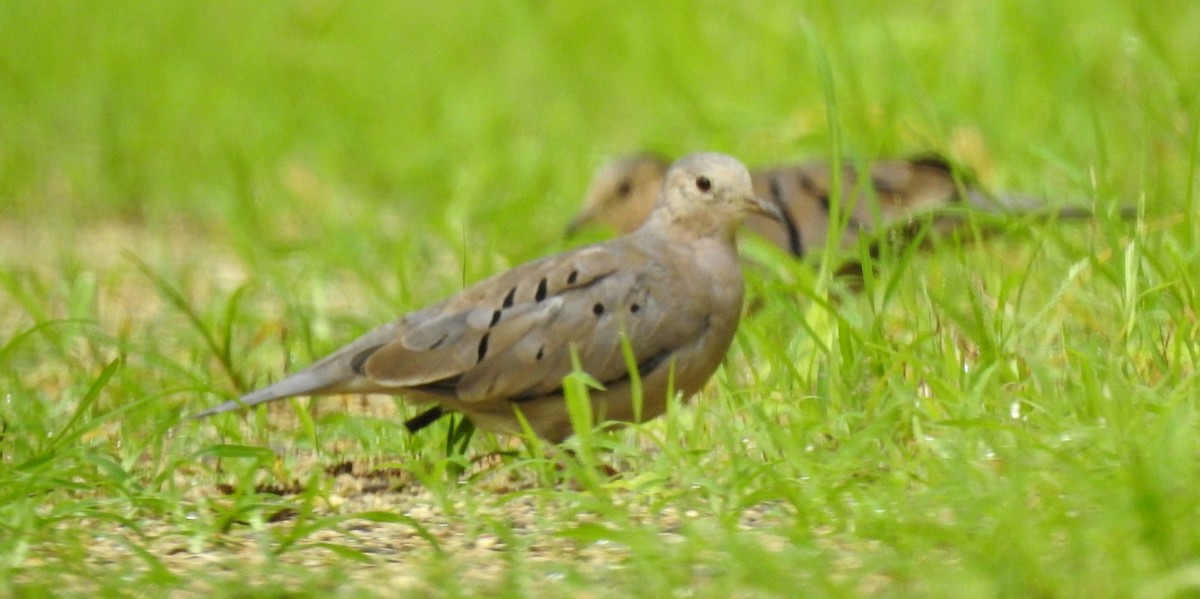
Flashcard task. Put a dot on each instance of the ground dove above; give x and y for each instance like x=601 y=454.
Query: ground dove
x=672 y=287
x=891 y=192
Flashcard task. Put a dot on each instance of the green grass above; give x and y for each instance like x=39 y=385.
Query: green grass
x=198 y=197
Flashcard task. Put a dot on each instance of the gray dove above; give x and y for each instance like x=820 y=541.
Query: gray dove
x=889 y=193
x=673 y=287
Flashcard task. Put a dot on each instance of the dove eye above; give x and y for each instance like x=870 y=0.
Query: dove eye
x=625 y=188
x=703 y=184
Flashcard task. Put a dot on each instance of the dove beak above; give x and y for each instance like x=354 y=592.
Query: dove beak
x=767 y=208
x=577 y=224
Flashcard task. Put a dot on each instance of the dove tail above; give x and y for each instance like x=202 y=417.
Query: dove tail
x=1019 y=204
x=1005 y=203
x=336 y=373
x=305 y=382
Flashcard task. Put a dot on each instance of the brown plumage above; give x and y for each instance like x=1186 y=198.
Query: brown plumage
x=673 y=288
x=889 y=193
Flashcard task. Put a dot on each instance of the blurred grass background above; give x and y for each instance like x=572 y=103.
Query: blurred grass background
x=1008 y=419
x=159 y=109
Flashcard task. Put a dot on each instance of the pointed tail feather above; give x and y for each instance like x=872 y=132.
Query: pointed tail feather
x=306 y=382
x=334 y=373
x=1019 y=204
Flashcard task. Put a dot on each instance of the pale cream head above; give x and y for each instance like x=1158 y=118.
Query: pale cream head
x=708 y=194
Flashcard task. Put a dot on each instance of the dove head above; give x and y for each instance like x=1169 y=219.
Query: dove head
x=622 y=193
x=708 y=195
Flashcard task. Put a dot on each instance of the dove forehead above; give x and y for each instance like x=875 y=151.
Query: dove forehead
x=711 y=164
x=627 y=164
x=707 y=160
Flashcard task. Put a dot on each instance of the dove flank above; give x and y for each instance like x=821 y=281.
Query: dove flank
x=673 y=289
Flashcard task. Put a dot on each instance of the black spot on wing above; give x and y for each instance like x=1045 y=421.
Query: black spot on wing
x=938 y=162
x=933 y=161
x=810 y=187
x=776 y=191
x=495 y=318
x=438 y=343
x=652 y=363
x=823 y=199
x=357 y=362
x=574 y=276
x=598 y=309
x=795 y=246
x=508 y=299
x=541 y=291
x=882 y=187
x=483 y=347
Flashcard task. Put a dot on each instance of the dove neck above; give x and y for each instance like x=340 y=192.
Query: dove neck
x=692 y=225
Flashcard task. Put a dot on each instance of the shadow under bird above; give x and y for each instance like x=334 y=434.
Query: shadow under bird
x=885 y=195
x=672 y=287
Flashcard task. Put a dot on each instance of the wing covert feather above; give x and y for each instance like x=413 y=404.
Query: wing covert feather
x=508 y=318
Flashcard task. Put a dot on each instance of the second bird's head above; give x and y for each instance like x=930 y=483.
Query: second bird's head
x=622 y=193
